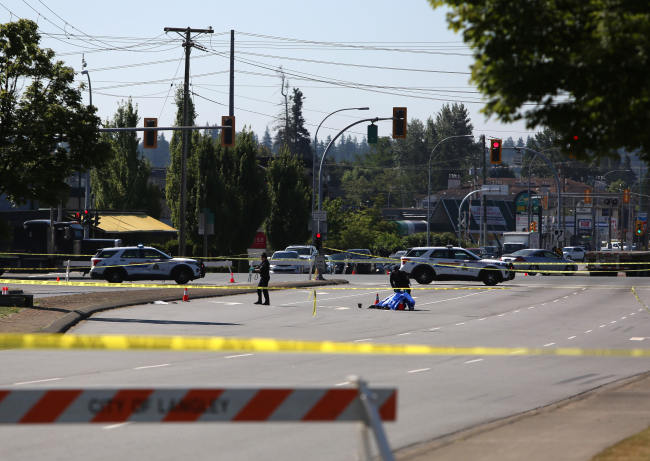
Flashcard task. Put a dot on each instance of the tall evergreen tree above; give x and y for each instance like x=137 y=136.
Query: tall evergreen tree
x=299 y=139
x=290 y=196
x=267 y=141
x=160 y=156
x=124 y=181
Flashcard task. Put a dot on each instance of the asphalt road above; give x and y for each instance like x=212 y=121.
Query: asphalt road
x=437 y=395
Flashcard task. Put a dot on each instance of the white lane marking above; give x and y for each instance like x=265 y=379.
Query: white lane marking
x=451 y=299
x=633 y=313
x=637 y=339
x=359 y=340
x=532 y=307
x=601 y=326
x=544 y=304
x=583 y=289
x=575 y=293
x=341 y=384
x=475 y=360
x=402 y=334
x=501 y=315
x=38 y=381
x=461 y=323
x=589 y=331
x=517 y=352
x=565 y=297
x=549 y=344
x=421 y=369
x=115 y=426
x=484 y=318
x=329 y=299
x=436 y=328
x=623 y=318
x=516 y=311
x=341 y=308
x=556 y=300
x=613 y=321
x=321 y=293
x=571 y=337
x=152 y=366
x=224 y=302
x=640 y=310
x=239 y=355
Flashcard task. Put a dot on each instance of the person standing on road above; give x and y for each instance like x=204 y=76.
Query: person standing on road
x=263 y=270
x=399 y=280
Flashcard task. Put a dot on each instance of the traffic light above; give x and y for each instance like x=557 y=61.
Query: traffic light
x=373 y=135
x=85 y=219
x=587 y=195
x=97 y=218
x=319 y=241
x=399 y=122
x=150 y=140
x=639 y=227
x=626 y=195
x=533 y=226
x=495 y=151
x=77 y=217
x=228 y=134
x=545 y=202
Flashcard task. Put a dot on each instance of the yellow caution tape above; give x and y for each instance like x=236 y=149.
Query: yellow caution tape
x=269 y=345
x=229 y=287
x=638 y=299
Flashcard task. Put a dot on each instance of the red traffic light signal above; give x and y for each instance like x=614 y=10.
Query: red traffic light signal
x=319 y=241
x=495 y=151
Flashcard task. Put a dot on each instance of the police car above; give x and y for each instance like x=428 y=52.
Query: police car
x=118 y=264
x=426 y=264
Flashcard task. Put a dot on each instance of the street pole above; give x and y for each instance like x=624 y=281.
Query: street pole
x=87 y=191
x=429 y=189
x=313 y=169
x=231 y=109
x=186 y=97
x=483 y=196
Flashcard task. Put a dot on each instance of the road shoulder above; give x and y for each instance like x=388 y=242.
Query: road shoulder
x=574 y=429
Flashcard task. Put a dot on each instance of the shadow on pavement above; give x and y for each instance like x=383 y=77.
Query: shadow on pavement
x=159 y=322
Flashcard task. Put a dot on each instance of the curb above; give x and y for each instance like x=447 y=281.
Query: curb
x=63 y=324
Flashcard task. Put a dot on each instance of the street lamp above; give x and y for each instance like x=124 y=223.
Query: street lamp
x=429 y=195
x=90 y=92
x=313 y=166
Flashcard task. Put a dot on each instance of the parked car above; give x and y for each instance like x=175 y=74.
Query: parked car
x=474 y=251
x=306 y=252
x=284 y=262
x=538 y=260
x=574 y=253
x=338 y=263
x=426 y=264
x=117 y=264
x=397 y=256
x=490 y=252
x=359 y=267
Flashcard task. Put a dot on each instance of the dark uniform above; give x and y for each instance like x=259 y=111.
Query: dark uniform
x=263 y=270
x=399 y=280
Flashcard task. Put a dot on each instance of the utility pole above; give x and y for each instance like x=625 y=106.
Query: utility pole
x=231 y=110
x=186 y=97
x=483 y=196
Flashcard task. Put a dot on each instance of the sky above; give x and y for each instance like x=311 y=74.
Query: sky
x=341 y=54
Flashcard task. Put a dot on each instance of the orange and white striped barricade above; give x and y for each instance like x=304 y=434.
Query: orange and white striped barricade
x=205 y=405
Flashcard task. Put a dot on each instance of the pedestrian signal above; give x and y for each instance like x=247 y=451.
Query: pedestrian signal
x=639 y=227
x=399 y=122
x=495 y=151
x=150 y=140
x=228 y=134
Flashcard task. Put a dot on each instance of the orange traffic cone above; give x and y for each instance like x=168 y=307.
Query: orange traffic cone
x=387 y=272
x=525 y=274
x=57 y=279
x=400 y=307
x=353 y=272
x=232 y=279
x=377 y=299
x=185 y=296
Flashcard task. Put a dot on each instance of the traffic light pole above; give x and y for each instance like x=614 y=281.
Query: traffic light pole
x=186 y=98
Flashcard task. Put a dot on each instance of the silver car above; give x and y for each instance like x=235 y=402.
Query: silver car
x=574 y=253
x=285 y=262
x=538 y=260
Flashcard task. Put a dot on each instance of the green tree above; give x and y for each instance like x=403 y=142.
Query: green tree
x=299 y=140
x=578 y=67
x=124 y=181
x=160 y=156
x=46 y=132
x=290 y=197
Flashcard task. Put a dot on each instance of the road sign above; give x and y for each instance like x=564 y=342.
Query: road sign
x=628 y=237
x=519 y=158
x=320 y=215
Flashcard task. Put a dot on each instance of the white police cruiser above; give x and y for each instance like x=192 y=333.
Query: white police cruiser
x=426 y=264
x=118 y=264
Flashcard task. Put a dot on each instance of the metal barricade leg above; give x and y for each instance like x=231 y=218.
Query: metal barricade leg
x=67 y=272
x=373 y=420
x=365 y=453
